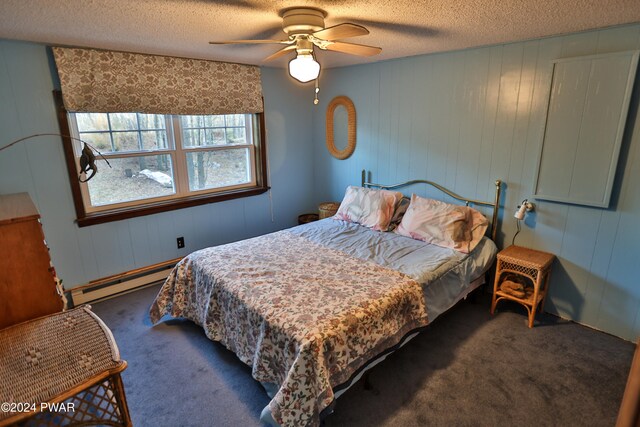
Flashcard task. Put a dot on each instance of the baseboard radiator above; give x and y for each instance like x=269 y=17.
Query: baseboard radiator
x=117 y=284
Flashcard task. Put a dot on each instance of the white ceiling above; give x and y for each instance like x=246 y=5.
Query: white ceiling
x=400 y=28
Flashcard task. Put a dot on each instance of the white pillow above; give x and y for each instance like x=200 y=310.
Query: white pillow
x=443 y=224
x=369 y=207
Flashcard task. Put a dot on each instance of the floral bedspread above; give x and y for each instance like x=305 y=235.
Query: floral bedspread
x=302 y=315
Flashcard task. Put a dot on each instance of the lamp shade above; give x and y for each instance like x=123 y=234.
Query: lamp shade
x=304 y=68
x=525 y=207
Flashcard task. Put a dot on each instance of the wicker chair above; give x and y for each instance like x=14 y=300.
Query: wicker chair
x=61 y=369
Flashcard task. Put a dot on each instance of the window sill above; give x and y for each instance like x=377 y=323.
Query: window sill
x=168 y=205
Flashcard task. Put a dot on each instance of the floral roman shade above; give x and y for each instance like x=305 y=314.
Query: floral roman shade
x=105 y=81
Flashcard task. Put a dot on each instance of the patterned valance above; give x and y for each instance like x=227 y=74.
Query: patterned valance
x=104 y=81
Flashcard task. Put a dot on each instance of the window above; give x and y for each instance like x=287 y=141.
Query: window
x=163 y=162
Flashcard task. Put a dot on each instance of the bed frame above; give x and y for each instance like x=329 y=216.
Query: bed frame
x=495 y=205
x=365 y=369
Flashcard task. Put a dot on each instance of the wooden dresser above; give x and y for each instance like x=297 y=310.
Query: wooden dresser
x=27 y=280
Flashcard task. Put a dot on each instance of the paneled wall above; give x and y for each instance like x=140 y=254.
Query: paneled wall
x=464 y=119
x=37 y=166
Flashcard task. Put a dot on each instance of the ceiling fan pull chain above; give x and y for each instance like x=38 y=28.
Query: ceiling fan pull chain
x=317 y=89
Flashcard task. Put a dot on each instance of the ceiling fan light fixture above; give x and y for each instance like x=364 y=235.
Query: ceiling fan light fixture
x=304 y=68
x=305 y=31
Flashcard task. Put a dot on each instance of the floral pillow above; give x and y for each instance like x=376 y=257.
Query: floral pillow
x=442 y=224
x=369 y=207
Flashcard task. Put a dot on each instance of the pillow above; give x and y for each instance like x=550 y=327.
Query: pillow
x=478 y=224
x=369 y=207
x=450 y=226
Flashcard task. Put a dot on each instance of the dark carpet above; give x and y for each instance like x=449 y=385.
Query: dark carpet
x=467 y=368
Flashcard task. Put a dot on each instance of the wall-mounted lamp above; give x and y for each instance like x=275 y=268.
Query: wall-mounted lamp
x=525 y=207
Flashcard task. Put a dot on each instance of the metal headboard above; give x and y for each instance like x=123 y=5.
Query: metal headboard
x=495 y=205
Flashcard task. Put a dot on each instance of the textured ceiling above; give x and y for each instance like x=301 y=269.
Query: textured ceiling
x=400 y=28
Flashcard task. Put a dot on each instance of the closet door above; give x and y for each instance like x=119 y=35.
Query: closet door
x=585 y=121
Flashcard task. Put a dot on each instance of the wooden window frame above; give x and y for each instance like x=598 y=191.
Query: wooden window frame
x=85 y=218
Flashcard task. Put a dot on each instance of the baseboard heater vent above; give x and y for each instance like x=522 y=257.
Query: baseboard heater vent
x=117 y=284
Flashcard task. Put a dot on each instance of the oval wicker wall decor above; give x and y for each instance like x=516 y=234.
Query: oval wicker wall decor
x=351 y=127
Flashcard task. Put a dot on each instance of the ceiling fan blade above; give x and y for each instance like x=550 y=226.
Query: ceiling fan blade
x=253 y=41
x=353 y=49
x=280 y=53
x=341 y=31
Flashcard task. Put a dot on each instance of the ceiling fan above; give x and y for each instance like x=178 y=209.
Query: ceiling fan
x=305 y=28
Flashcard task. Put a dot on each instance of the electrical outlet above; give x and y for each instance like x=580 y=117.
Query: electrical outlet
x=180 y=242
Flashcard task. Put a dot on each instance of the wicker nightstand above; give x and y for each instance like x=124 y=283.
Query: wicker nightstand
x=524 y=263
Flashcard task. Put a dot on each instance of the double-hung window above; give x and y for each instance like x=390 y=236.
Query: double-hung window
x=177 y=132
x=161 y=162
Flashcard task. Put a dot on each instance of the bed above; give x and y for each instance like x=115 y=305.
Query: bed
x=311 y=308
